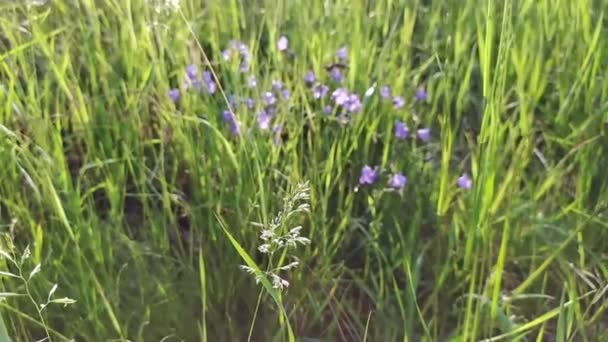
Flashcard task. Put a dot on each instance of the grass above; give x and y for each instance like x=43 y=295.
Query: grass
x=140 y=209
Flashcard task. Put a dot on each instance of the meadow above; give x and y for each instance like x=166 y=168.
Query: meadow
x=292 y=170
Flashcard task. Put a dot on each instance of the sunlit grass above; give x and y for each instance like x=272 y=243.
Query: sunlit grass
x=140 y=209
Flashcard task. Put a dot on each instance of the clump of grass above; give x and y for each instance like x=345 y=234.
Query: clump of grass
x=280 y=235
x=16 y=263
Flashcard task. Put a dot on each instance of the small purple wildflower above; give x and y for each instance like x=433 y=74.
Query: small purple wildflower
x=397 y=181
x=421 y=94
x=335 y=74
x=252 y=82
x=340 y=96
x=209 y=84
x=342 y=53
x=243 y=51
x=353 y=104
x=249 y=103
x=173 y=94
x=283 y=43
x=385 y=92
x=464 y=182
x=368 y=175
x=424 y=134
x=398 y=102
x=230 y=119
x=234 y=128
x=227 y=116
x=207 y=77
x=277 y=85
x=401 y=130
x=190 y=78
x=210 y=87
x=319 y=91
x=263 y=120
x=191 y=72
x=285 y=94
x=327 y=109
x=309 y=78
x=269 y=98
x=196 y=84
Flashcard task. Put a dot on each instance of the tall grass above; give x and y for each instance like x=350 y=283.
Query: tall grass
x=140 y=209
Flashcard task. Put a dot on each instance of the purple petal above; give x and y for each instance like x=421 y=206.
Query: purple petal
x=173 y=94
x=342 y=53
x=397 y=181
x=401 y=130
x=424 y=134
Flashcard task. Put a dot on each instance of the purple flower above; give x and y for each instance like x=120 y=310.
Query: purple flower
x=424 y=134
x=327 y=109
x=340 y=96
x=397 y=181
x=252 y=82
x=234 y=128
x=341 y=53
x=353 y=104
x=249 y=103
x=191 y=72
x=421 y=94
x=282 y=43
x=263 y=120
x=209 y=84
x=385 y=92
x=335 y=74
x=207 y=77
x=243 y=51
x=226 y=55
x=401 y=130
x=210 y=88
x=196 y=84
x=285 y=94
x=227 y=116
x=269 y=98
x=277 y=85
x=190 y=78
x=173 y=94
x=398 y=102
x=464 y=182
x=368 y=175
x=309 y=78
x=231 y=121
x=319 y=91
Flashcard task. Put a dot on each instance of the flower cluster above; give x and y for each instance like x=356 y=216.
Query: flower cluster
x=369 y=175
x=237 y=49
x=328 y=91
